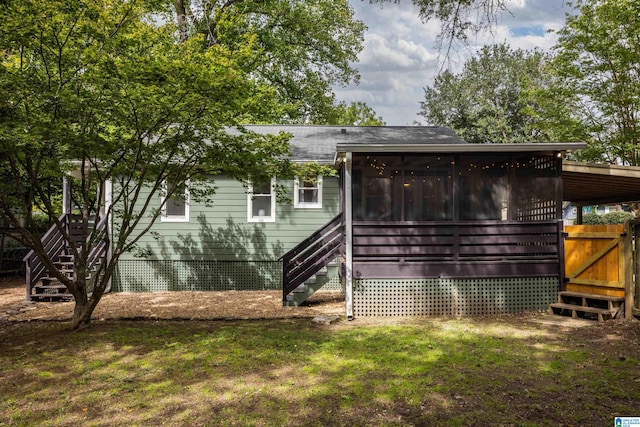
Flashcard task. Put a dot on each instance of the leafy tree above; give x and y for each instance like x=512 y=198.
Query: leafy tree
x=354 y=114
x=598 y=55
x=459 y=19
x=502 y=95
x=307 y=46
x=107 y=90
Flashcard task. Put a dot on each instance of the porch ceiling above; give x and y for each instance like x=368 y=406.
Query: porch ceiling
x=591 y=184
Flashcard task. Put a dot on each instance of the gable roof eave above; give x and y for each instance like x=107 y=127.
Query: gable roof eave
x=462 y=148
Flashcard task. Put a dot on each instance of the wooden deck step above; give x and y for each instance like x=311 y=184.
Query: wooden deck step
x=613 y=304
x=51 y=297
x=50 y=292
x=52 y=285
x=300 y=289
x=64 y=263
x=602 y=313
x=590 y=296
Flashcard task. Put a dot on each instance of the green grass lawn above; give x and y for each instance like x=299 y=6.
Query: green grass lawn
x=441 y=372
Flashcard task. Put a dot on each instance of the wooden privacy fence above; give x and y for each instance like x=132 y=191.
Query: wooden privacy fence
x=599 y=261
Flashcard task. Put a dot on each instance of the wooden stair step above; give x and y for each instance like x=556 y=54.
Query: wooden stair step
x=49 y=290
x=46 y=281
x=51 y=297
x=300 y=289
x=601 y=312
x=590 y=296
x=54 y=285
x=64 y=263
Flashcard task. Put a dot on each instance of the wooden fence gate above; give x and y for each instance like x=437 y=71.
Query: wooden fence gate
x=599 y=262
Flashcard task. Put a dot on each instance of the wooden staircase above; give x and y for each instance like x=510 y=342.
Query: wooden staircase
x=302 y=293
x=41 y=285
x=585 y=305
x=49 y=288
x=311 y=264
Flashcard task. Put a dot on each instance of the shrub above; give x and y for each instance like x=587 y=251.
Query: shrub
x=619 y=217
x=42 y=221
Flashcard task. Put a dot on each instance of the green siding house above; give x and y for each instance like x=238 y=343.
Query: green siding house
x=223 y=246
x=238 y=241
x=415 y=222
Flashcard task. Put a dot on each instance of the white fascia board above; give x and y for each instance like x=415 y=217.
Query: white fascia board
x=461 y=148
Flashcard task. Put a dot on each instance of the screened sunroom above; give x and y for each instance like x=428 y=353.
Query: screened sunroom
x=452 y=228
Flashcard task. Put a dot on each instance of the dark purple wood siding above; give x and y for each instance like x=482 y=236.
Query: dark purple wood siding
x=488 y=215
x=460 y=250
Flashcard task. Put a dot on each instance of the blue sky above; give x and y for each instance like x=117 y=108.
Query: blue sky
x=399 y=58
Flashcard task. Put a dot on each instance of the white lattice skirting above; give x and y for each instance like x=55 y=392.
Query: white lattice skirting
x=452 y=297
x=201 y=275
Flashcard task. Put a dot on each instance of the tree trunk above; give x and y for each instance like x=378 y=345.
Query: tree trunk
x=82 y=314
x=181 y=19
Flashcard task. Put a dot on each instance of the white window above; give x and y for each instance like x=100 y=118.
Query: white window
x=261 y=201
x=176 y=207
x=307 y=192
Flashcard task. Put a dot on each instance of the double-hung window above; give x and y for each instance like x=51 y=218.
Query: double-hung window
x=261 y=201
x=307 y=192
x=175 y=208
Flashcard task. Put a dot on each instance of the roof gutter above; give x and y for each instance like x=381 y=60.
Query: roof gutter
x=461 y=148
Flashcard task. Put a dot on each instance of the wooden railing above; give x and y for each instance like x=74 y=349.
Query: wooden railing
x=98 y=243
x=54 y=244
x=461 y=249
x=312 y=254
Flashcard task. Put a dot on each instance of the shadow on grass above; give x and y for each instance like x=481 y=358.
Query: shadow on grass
x=290 y=372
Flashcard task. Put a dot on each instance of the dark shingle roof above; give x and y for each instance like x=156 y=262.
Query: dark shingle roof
x=320 y=143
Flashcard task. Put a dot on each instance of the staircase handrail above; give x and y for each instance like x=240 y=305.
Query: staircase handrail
x=53 y=242
x=312 y=254
x=100 y=248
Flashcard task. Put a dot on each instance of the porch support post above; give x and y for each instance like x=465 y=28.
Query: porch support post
x=636 y=266
x=579 y=217
x=66 y=195
x=626 y=265
x=348 y=226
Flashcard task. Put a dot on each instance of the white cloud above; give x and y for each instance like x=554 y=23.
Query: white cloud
x=399 y=57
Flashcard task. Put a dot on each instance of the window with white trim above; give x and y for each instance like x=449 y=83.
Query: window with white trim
x=176 y=207
x=307 y=192
x=261 y=201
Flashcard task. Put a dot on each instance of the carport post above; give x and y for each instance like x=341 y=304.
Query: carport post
x=635 y=225
x=579 y=215
x=348 y=217
x=627 y=256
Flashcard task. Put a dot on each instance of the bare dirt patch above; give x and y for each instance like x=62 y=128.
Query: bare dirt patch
x=170 y=305
x=254 y=305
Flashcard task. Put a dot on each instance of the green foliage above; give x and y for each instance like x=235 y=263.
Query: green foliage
x=302 y=48
x=619 y=217
x=459 y=19
x=598 y=56
x=310 y=170
x=502 y=95
x=355 y=114
x=42 y=221
x=116 y=92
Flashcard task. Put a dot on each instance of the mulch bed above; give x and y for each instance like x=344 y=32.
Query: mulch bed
x=169 y=305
